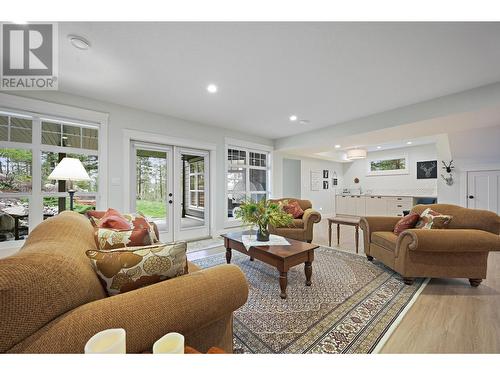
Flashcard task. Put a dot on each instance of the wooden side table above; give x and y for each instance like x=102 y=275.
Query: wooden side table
x=344 y=220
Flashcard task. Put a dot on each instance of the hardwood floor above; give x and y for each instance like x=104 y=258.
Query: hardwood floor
x=448 y=317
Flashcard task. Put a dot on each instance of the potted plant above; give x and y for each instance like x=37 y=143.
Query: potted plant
x=262 y=213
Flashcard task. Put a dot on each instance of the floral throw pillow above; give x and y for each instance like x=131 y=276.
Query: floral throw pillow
x=126 y=269
x=430 y=219
x=293 y=208
x=141 y=233
x=407 y=222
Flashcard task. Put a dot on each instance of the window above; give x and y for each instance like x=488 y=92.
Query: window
x=387 y=166
x=248 y=176
x=196 y=183
x=28 y=142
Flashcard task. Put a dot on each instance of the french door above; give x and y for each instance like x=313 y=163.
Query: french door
x=170 y=186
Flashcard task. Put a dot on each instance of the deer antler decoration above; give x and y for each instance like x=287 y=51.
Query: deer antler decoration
x=448 y=167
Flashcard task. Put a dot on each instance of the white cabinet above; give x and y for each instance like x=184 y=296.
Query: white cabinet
x=372 y=205
x=376 y=206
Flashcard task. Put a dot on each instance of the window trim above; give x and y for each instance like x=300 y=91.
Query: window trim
x=43 y=110
x=197 y=191
x=231 y=143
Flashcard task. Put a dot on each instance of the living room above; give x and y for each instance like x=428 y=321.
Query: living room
x=275 y=180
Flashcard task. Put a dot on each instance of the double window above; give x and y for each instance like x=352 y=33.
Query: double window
x=248 y=175
x=30 y=148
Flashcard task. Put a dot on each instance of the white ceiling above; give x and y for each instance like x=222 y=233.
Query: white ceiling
x=323 y=72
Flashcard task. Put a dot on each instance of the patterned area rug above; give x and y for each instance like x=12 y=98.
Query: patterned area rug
x=349 y=307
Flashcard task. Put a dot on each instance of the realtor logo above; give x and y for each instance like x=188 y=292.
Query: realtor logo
x=28 y=56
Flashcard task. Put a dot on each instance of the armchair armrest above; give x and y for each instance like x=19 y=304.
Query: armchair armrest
x=183 y=304
x=449 y=240
x=311 y=217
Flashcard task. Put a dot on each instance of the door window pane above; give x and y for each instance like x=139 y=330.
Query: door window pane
x=55 y=205
x=151 y=178
x=4 y=128
x=15 y=170
x=20 y=130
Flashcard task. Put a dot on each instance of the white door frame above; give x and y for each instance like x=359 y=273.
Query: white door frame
x=196 y=232
x=130 y=135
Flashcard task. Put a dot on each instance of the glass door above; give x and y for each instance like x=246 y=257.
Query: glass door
x=192 y=189
x=152 y=193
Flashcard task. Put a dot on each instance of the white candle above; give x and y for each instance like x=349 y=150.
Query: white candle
x=171 y=343
x=109 y=341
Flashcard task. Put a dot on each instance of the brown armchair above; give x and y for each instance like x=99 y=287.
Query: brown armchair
x=301 y=229
x=461 y=251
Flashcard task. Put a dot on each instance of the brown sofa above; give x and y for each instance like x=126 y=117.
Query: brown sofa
x=53 y=302
x=461 y=251
x=300 y=229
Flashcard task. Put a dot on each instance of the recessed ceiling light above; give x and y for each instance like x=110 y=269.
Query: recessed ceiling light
x=293 y=118
x=212 y=89
x=409 y=143
x=79 y=42
x=337 y=146
x=304 y=122
x=379 y=147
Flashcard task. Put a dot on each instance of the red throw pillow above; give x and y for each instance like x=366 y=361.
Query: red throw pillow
x=293 y=208
x=407 y=222
x=112 y=219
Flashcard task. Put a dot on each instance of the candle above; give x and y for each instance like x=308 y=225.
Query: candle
x=109 y=341
x=171 y=343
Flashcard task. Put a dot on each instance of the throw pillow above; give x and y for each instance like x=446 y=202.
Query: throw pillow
x=293 y=208
x=430 y=219
x=407 y=222
x=114 y=220
x=139 y=233
x=126 y=269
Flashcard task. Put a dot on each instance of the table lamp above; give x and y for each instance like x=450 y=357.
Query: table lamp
x=70 y=169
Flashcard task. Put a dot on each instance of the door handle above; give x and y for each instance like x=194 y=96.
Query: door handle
x=170 y=201
x=471 y=197
x=170 y=194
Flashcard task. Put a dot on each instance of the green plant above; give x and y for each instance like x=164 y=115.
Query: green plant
x=262 y=213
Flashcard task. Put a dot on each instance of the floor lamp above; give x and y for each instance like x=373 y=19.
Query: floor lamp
x=70 y=169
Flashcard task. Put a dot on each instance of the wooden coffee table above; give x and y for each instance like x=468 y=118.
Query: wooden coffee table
x=283 y=257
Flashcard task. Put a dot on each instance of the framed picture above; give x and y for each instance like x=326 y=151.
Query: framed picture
x=389 y=165
x=325 y=185
x=426 y=169
x=325 y=173
x=335 y=181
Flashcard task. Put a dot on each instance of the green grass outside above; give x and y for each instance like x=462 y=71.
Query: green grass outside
x=153 y=209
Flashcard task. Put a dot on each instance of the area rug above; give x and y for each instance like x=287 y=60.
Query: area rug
x=350 y=307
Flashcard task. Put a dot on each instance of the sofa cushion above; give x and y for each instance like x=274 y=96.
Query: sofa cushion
x=386 y=240
x=126 y=269
x=293 y=208
x=407 y=222
x=297 y=223
x=430 y=219
x=48 y=277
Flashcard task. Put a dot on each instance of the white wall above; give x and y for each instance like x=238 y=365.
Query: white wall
x=292 y=174
x=121 y=118
x=394 y=184
x=322 y=200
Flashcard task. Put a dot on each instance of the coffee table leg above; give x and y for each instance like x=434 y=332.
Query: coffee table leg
x=357 y=238
x=228 y=255
x=283 y=284
x=308 y=270
x=251 y=259
x=338 y=234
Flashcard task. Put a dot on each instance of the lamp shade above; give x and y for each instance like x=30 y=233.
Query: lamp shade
x=69 y=169
x=356 y=153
